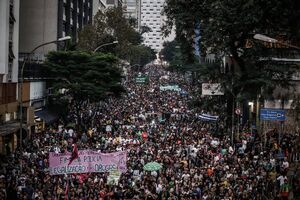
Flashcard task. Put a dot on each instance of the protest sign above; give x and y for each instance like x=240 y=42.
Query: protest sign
x=87 y=161
x=114 y=177
x=170 y=88
x=142 y=79
x=212 y=89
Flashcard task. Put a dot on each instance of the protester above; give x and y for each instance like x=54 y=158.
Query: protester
x=151 y=125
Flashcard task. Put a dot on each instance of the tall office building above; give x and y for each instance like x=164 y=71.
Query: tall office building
x=43 y=21
x=47 y=20
x=133 y=10
x=114 y=3
x=9 y=44
x=151 y=16
x=9 y=40
x=98 y=5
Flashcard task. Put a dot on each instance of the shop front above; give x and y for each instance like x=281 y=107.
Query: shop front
x=10 y=137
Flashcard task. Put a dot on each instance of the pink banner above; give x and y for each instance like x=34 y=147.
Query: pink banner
x=88 y=161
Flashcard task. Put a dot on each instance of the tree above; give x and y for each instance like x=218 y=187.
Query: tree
x=170 y=51
x=140 y=55
x=227 y=26
x=84 y=76
x=227 y=29
x=145 y=29
x=112 y=25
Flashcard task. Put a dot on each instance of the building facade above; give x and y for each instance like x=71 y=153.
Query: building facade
x=9 y=44
x=151 y=16
x=98 y=5
x=114 y=3
x=47 y=20
x=43 y=21
x=133 y=11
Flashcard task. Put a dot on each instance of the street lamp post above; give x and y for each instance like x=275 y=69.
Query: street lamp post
x=21 y=81
x=106 y=44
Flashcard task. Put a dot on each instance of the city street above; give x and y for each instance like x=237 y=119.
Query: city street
x=150 y=124
x=149 y=99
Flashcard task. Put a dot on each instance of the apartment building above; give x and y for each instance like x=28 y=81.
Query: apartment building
x=98 y=5
x=114 y=3
x=43 y=21
x=151 y=16
x=9 y=44
x=132 y=10
x=47 y=20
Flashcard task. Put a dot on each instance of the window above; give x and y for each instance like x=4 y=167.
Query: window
x=11 y=13
x=10 y=69
x=11 y=55
x=78 y=19
x=11 y=32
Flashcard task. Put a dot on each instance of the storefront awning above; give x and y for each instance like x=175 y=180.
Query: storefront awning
x=9 y=128
x=47 y=116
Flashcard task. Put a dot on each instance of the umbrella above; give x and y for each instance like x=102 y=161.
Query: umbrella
x=152 y=166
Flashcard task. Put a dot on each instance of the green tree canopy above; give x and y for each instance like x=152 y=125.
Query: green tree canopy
x=170 y=51
x=227 y=26
x=84 y=76
x=109 y=26
x=140 y=55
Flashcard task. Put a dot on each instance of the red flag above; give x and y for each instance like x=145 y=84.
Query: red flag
x=74 y=154
x=144 y=135
x=82 y=178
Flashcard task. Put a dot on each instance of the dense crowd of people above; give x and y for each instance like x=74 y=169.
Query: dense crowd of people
x=153 y=125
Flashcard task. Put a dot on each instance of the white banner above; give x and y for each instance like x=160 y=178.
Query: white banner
x=207 y=117
x=212 y=89
x=170 y=88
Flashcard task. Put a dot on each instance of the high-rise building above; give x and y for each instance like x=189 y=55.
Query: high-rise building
x=98 y=5
x=114 y=3
x=43 y=21
x=47 y=20
x=151 y=16
x=133 y=11
x=9 y=44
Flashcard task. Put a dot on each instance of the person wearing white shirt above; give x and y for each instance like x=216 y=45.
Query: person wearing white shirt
x=158 y=188
x=281 y=179
x=70 y=132
x=285 y=164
